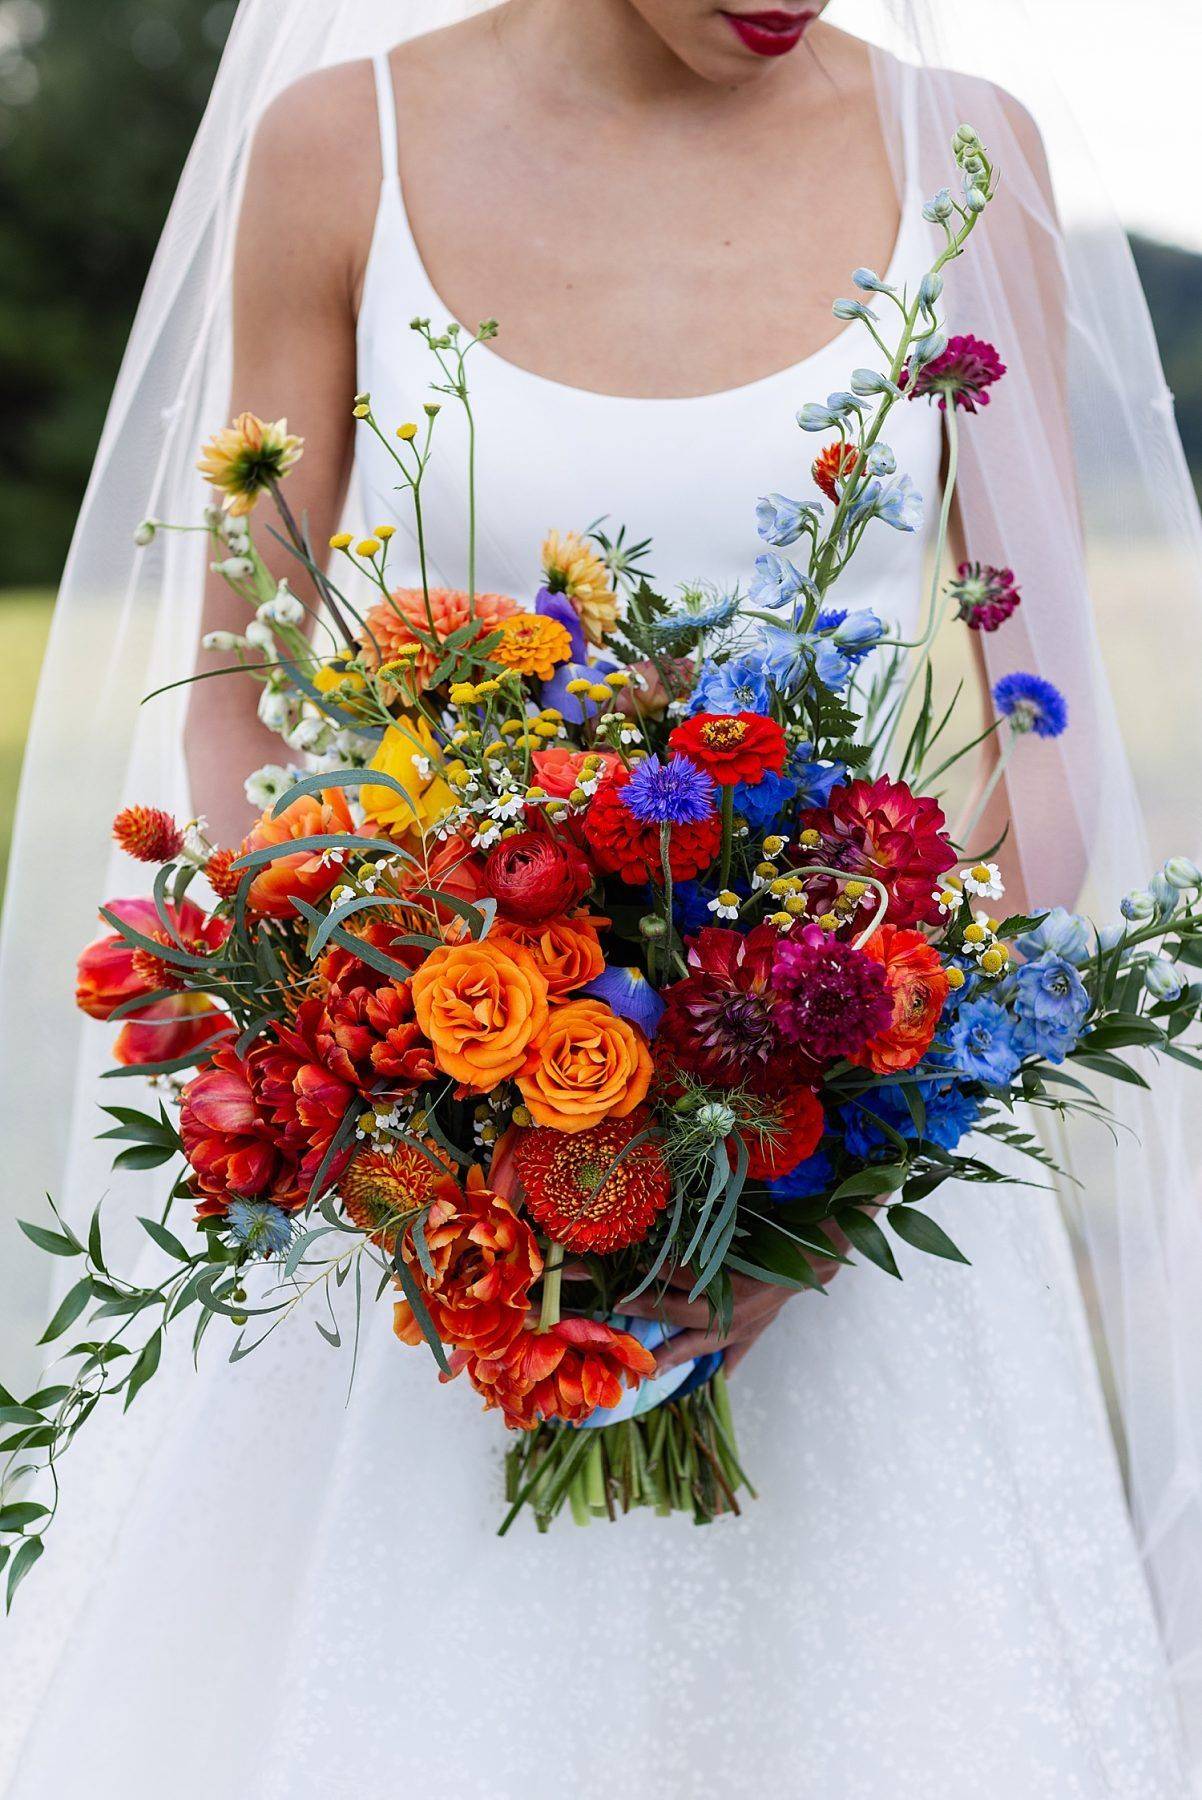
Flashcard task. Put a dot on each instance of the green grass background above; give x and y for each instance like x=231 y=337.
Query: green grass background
x=24 y=622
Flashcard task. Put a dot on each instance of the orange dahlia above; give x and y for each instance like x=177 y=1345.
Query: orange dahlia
x=485 y=1259
x=831 y=465
x=586 y=1064
x=582 y=1195
x=572 y=568
x=532 y=644
x=393 y=626
x=564 y=1373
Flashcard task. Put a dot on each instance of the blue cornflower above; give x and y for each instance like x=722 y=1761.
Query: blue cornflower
x=740 y=685
x=628 y=993
x=1063 y=933
x=673 y=793
x=781 y=521
x=1051 y=1005
x=812 y=1176
x=1031 y=704
x=982 y=1042
x=777 y=582
x=762 y=802
x=266 y=1230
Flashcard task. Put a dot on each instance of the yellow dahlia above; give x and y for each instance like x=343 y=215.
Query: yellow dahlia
x=532 y=645
x=392 y=626
x=248 y=457
x=570 y=567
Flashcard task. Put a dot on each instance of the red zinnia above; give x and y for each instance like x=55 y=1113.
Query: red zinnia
x=791 y=1133
x=831 y=465
x=578 y=1196
x=918 y=987
x=731 y=747
x=880 y=828
x=622 y=845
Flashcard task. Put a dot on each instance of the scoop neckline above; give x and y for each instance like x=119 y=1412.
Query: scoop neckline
x=394 y=184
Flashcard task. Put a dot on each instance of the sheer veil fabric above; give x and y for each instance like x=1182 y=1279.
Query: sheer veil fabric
x=1074 y=478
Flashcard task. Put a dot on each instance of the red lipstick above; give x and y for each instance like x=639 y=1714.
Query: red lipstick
x=769 y=33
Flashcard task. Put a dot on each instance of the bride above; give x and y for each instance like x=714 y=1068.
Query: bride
x=949 y=1586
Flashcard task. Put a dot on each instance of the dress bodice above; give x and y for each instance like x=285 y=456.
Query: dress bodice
x=685 y=472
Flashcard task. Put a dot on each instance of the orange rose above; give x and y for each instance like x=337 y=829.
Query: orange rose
x=481 y=1006
x=309 y=874
x=567 y=951
x=918 y=987
x=585 y=1065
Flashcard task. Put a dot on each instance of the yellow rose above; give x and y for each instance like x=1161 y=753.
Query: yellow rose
x=406 y=745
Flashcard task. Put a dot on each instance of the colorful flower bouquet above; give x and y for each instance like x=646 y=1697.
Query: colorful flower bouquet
x=595 y=944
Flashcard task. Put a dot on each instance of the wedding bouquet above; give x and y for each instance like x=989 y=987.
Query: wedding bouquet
x=594 y=943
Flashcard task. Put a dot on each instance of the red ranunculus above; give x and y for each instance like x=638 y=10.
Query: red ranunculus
x=731 y=747
x=533 y=876
x=918 y=987
x=792 y=1132
x=624 y=846
x=880 y=828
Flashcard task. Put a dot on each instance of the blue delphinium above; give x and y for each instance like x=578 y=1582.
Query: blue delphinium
x=815 y=1175
x=897 y=503
x=740 y=685
x=815 y=780
x=673 y=793
x=1051 y=1006
x=982 y=1043
x=264 y=1229
x=628 y=993
x=1063 y=933
x=781 y=521
x=839 y=642
x=777 y=582
x=762 y=802
x=1031 y=704
x=950 y=1113
x=691 y=904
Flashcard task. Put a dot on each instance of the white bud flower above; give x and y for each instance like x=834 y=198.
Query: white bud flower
x=260 y=636
x=1162 y=980
x=264 y=787
x=222 y=640
x=1181 y=872
x=278 y=711
x=234 y=568
x=145 y=533
x=283 y=608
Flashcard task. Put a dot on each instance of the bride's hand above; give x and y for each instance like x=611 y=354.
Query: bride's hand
x=756 y=1304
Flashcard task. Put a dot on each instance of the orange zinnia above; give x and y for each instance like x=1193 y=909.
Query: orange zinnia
x=308 y=874
x=481 y=1006
x=585 y=1065
x=567 y=951
x=533 y=645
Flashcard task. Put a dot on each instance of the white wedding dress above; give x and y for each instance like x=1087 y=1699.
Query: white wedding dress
x=259 y=1587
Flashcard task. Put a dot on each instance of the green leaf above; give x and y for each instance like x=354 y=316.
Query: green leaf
x=70 y=1307
x=20 y=1415
x=144 y=1367
x=868 y=1238
x=882 y=1178
x=923 y=1233
x=166 y=1240
x=27 y=1554
x=1018 y=924
x=20 y=1514
x=1117 y=1033
x=50 y=1240
x=1106 y=1064
x=144 y=1156
x=413 y=1295
x=95 y=1247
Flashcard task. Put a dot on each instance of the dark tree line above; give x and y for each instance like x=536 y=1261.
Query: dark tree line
x=99 y=100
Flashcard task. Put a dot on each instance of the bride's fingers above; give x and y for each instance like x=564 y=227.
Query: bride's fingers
x=686 y=1347
x=670 y=1306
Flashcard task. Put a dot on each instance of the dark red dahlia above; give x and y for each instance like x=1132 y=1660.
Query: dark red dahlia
x=830 y=997
x=533 y=876
x=832 y=465
x=985 y=597
x=964 y=374
x=623 y=845
x=880 y=828
x=718 y=1022
x=731 y=747
x=587 y=1189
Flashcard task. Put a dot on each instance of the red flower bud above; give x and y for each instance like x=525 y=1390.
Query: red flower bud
x=533 y=877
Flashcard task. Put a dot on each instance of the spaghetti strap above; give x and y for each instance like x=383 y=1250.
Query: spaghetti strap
x=386 y=112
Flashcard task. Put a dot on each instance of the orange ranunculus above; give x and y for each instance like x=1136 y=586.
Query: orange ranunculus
x=559 y=770
x=485 y=1259
x=585 y=1065
x=307 y=874
x=481 y=1006
x=918 y=987
x=563 y=1373
x=567 y=951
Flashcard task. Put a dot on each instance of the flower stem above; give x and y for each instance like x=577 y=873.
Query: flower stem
x=552 y=1284
x=728 y=831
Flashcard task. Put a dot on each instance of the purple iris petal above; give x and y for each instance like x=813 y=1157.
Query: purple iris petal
x=628 y=993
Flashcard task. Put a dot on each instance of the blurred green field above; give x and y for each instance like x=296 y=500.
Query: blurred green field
x=24 y=622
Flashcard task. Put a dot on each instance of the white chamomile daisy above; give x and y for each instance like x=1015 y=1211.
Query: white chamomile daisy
x=984 y=881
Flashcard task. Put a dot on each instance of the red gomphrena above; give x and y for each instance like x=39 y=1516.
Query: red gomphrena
x=148 y=833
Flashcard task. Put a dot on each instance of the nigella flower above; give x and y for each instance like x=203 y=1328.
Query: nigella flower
x=628 y=993
x=777 y=582
x=781 y=521
x=740 y=685
x=964 y=373
x=265 y=1230
x=985 y=597
x=1031 y=704
x=699 y=613
x=673 y=793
